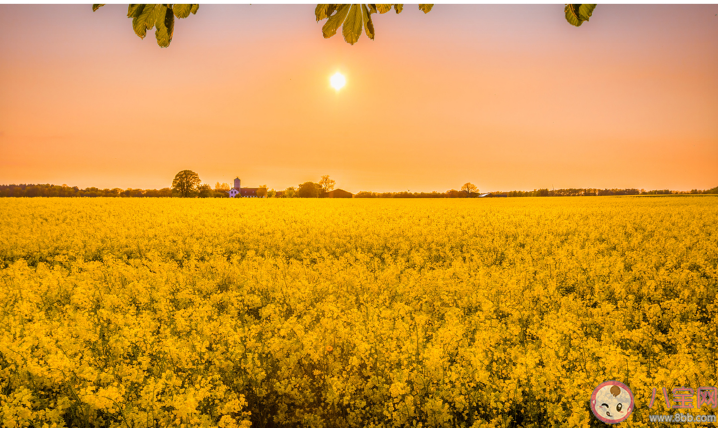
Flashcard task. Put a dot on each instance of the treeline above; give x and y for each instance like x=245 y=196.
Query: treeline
x=54 y=191
x=605 y=192
x=536 y=192
x=448 y=194
x=310 y=189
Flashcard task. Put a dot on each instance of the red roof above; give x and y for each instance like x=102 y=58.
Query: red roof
x=247 y=191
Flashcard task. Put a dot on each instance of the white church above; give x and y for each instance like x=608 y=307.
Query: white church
x=242 y=192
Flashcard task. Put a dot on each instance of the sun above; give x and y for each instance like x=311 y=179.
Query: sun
x=338 y=81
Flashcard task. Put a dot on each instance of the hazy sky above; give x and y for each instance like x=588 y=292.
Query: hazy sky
x=507 y=97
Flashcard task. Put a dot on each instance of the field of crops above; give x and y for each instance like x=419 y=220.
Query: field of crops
x=350 y=313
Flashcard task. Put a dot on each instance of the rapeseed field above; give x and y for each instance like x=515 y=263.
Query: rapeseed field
x=351 y=313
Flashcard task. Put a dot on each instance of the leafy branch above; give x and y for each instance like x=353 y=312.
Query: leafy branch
x=352 y=18
x=147 y=16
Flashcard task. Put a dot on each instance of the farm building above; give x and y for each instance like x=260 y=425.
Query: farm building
x=339 y=193
x=242 y=192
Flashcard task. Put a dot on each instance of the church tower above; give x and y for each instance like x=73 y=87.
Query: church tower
x=237 y=183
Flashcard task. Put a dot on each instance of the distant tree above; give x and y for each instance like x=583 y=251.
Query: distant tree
x=290 y=192
x=272 y=193
x=205 y=191
x=469 y=188
x=186 y=183
x=261 y=191
x=222 y=186
x=309 y=190
x=327 y=184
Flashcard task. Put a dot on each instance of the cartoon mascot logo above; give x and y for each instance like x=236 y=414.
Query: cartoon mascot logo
x=612 y=402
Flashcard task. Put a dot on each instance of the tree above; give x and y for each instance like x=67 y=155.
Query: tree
x=290 y=192
x=469 y=188
x=261 y=191
x=186 y=183
x=222 y=186
x=272 y=193
x=327 y=184
x=353 y=18
x=309 y=190
x=205 y=191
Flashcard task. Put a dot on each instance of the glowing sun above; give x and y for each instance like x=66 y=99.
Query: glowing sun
x=338 y=81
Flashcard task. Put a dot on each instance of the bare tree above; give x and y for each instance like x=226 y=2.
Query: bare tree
x=469 y=188
x=327 y=183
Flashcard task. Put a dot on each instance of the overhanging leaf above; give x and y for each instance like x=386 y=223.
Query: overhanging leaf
x=321 y=11
x=426 y=7
x=572 y=14
x=181 y=10
x=367 y=20
x=384 y=8
x=140 y=17
x=147 y=18
x=335 y=21
x=164 y=26
x=577 y=13
x=97 y=6
x=134 y=10
x=585 y=11
x=398 y=8
x=353 y=24
x=194 y=8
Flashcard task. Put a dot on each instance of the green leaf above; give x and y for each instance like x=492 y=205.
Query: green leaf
x=384 y=8
x=585 y=11
x=367 y=19
x=426 y=7
x=194 y=8
x=335 y=21
x=572 y=15
x=331 y=8
x=577 y=13
x=134 y=10
x=321 y=11
x=140 y=17
x=353 y=24
x=164 y=26
x=398 y=8
x=97 y=6
x=147 y=17
x=181 y=10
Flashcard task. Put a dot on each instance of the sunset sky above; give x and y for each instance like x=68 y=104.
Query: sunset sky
x=506 y=97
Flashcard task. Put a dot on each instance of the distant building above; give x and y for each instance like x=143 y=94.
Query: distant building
x=242 y=192
x=339 y=193
x=247 y=192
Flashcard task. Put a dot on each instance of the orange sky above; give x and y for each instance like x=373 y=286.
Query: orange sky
x=507 y=97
